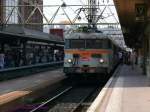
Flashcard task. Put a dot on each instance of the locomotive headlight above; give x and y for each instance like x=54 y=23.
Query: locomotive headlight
x=69 y=60
x=101 y=60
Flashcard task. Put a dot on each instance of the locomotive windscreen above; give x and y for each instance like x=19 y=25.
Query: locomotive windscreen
x=74 y=43
x=96 y=44
x=77 y=43
x=87 y=43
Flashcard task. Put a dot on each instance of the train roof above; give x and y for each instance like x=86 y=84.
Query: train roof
x=90 y=35
x=86 y=35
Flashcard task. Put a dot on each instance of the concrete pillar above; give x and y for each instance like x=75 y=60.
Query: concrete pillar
x=147 y=51
x=148 y=58
x=144 y=56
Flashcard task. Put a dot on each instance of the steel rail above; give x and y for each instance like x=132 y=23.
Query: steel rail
x=52 y=99
x=81 y=102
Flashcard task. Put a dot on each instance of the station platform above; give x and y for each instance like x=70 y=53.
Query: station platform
x=127 y=91
x=16 y=90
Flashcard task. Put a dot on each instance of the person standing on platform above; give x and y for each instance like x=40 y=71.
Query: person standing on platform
x=120 y=57
x=133 y=59
x=2 y=62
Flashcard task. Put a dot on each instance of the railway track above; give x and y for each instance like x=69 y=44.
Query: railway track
x=71 y=99
x=75 y=98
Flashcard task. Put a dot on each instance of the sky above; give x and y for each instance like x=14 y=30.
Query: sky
x=71 y=11
x=109 y=14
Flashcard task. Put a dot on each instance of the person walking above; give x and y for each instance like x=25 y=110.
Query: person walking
x=120 y=55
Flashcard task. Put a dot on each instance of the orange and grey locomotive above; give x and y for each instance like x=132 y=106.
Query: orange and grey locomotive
x=89 y=53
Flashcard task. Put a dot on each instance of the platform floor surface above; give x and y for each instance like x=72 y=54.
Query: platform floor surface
x=29 y=82
x=130 y=93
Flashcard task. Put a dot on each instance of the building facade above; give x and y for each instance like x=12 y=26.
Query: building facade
x=1 y=12
x=36 y=17
x=21 y=13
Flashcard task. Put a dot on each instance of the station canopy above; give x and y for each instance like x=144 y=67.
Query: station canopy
x=133 y=16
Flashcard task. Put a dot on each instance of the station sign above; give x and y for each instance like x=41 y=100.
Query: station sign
x=140 y=12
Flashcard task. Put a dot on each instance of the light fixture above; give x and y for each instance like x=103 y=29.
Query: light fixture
x=101 y=60
x=69 y=60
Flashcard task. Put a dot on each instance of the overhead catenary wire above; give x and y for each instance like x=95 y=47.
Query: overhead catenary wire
x=48 y=15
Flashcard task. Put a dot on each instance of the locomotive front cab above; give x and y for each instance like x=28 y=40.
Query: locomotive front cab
x=87 y=56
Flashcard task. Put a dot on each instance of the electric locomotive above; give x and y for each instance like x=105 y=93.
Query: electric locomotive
x=89 y=53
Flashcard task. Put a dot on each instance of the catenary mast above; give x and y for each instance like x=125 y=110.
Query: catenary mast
x=92 y=11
